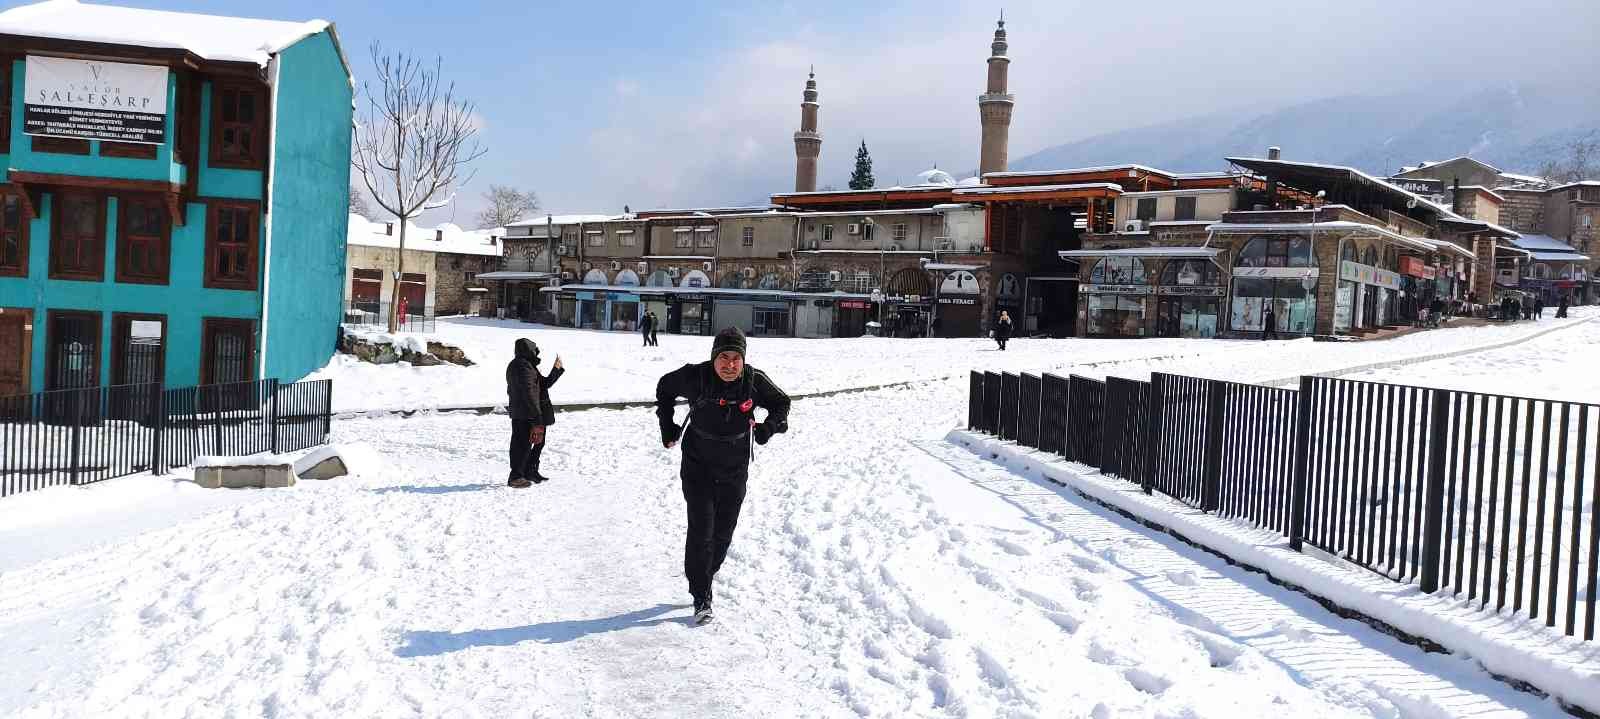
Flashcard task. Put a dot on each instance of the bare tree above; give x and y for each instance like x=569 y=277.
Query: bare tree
x=1579 y=160
x=506 y=205
x=412 y=144
x=358 y=202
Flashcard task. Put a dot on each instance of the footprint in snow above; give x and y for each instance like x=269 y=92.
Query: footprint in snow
x=1184 y=577
x=1013 y=548
x=1147 y=682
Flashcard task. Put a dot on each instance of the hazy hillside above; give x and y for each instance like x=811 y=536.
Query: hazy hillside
x=1514 y=128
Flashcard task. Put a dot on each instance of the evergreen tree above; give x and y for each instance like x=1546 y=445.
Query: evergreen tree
x=861 y=179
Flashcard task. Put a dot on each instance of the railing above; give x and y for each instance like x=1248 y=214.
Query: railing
x=415 y=319
x=79 y=436
x=1491 y=498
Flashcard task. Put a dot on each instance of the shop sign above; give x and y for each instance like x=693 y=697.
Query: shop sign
x=1420 y=187
x=95 y=100
x=1412 y=266
x=957 y=301
x=1189 y=291
x=1278 y=273
x=1368 y=275
x=852 y=304
x=1114 y=289
x=691 y=298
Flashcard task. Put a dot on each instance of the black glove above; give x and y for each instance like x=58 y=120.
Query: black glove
x=670 y=434
x=762 y=433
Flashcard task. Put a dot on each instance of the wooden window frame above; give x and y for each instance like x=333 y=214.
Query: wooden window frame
x=98 y=273
x=119 y=342
x=1178 y=208
x=209 y=328
x=21 y=232
x=130 y=150
x=51 y=356
x=124 y=241
x=1139 y=206
x=257 y=127
x=59 y=145
x=213 y=210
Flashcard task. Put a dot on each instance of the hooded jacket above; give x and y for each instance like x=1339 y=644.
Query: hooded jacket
x=528 y=392
x=720 y=412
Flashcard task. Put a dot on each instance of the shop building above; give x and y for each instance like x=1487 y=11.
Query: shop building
x=438 y=278
x=188 y=227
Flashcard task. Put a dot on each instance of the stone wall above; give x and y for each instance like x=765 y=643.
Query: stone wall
x=1523 y=210
x=450 y=275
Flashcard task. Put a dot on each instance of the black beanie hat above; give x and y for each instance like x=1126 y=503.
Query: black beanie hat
x=728 y=340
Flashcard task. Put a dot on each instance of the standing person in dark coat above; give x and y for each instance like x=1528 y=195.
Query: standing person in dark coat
x=723 y=395
x=1538 y=307
x=645 y=323
x=1561 y=309
x=1269 y=323
x=1002 y=329
x=528 y=402
x=655 y=327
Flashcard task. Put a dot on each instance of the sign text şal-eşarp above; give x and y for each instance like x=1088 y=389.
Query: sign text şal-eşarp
x=95 y=100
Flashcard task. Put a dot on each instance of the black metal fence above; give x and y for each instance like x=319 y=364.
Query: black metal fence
x=79 y=436
x=364 y=312
x=1491 y=498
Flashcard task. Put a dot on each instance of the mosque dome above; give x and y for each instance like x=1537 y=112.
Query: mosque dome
x=935 y=178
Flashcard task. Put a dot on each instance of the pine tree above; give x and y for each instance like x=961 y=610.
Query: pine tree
x=861 y=179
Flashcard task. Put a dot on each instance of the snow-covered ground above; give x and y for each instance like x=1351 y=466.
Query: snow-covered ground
x=612 y=366
x=877 y=571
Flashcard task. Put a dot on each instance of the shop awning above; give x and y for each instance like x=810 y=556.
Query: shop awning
x=718 y=291
x=1559 y=257
x=1197 y=252
x=514 y=275
x=1420 y=244
x=951 y=267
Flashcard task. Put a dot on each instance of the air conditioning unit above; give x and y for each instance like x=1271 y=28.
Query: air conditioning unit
x=853 y=228
x=674 y=272
x=1133 y=226
x=705 y=267
x=835 y=276
x=749 y=273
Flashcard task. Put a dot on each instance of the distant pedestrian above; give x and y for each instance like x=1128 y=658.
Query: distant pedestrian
x=1002 y=329
x=644 y=328
x=1561 y=309
x=528 y=403
x=1269 y=323
x=655 y=327
x=1435 y=312
x=1527 y=308
x=1538 y=307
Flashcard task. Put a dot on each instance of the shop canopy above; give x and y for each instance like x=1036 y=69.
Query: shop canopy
x=515 y=275
x=1419 y=244
x=1198 y=252
x=718 y=291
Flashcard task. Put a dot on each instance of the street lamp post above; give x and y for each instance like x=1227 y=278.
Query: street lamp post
x=872 y=227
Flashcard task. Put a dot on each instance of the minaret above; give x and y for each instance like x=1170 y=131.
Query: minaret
x=807 y=142
x=994 y=107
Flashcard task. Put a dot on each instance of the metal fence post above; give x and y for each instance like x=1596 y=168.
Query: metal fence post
x=1433 y=522
x=327 y=409
x=75 y=443
x=272 y=417
x=216 y=416
x=1211 y=491
x=1302 y=464
x=975 y=401
x=1152 y=430
x=158 y=424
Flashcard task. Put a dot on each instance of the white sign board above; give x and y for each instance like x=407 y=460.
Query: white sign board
x=95 y=100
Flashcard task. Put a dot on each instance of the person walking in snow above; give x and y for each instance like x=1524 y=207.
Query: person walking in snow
x=655 y=327
x=644 y=327
x=1002 y=329
x=1538 y=307
x=528 y=402
x=723 y=395
x=1561 y=309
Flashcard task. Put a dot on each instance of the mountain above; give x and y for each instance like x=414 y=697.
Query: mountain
x=1514 y=128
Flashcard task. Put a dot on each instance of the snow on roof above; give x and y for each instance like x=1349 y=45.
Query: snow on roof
x=1037 y=188
x=1431 y=163
x=934 y=178
x=213 y=37
x=1559 y=257
x=1581 y=183
x=1179 y=193
x=366 y=233
x=1203 y=175
x=1417 y=243
x=1076 y=171
x=1444 y=212
x=563 y=220
x=1485 y=191
x=1525 y=178
x=1206 y=252
x=1542 y=243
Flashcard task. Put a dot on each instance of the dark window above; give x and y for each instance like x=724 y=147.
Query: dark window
x=13 y=235
x=1147 y=209
x=1184 y=272
x=226 y=348
x=1184 y=209
x=61 y=145
x=138 y=348
x=470 y=278
x=237 y=132
x=136 y=150
x=1119 y=271
x=74 y=350
x=5 y=105
x=231 y=238
x=78 y=251
x=143 y=241
x=1276 y=252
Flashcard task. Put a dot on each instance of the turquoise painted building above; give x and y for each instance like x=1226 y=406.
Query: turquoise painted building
x=167 y=213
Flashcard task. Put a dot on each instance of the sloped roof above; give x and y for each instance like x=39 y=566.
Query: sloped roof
x=423 y=239
x=212 y=37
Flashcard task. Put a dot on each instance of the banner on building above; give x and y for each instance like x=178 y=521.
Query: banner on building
x=1114 y=289
x=95 y=100
x=1189 y=291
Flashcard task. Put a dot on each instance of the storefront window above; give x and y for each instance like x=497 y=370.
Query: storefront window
x=1118 y=315
x=1181 y=273
x=1292 y=304
x=1118 y=271
x=1276 y=252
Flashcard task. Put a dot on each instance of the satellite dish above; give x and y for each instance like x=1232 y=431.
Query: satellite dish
x=1411 y=204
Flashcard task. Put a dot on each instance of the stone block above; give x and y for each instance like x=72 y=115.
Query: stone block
x=265 y=475
x=324 y=463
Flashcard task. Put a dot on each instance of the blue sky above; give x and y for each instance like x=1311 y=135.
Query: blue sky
x=595 y=105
